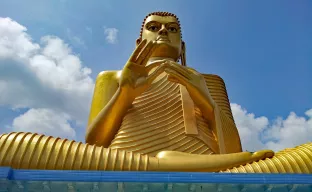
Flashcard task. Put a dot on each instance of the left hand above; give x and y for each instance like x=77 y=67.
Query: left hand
x=194 y=82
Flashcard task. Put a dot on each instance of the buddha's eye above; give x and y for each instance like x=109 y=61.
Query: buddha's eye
x=172 y=29
x=153 y=28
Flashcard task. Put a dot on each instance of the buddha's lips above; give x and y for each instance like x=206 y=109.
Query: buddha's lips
x=162 y=38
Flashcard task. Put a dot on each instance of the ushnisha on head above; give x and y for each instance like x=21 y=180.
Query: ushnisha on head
x=165 y=29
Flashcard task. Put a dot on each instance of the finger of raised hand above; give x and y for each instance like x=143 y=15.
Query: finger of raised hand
x=142 y=55
x=137 y=51
x=151 y=51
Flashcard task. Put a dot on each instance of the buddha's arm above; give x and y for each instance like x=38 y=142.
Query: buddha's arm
x=107 y=110
x=106 y=85
x=226 y=131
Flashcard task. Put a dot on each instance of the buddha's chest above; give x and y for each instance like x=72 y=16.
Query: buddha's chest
x=157 y=121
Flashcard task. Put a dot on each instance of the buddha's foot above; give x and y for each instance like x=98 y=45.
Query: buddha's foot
x=179 y=161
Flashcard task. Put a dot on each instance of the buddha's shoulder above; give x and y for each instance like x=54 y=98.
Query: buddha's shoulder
x=112 y=75
x=210 y=76
x=213 y=78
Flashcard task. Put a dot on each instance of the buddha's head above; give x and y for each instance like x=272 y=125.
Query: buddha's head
x=164 y=28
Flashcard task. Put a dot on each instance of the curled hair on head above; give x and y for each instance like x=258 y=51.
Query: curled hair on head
x=163 y=14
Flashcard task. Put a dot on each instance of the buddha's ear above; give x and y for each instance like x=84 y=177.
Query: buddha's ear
x=183 y=52
x=138 y=41
x=182 y=46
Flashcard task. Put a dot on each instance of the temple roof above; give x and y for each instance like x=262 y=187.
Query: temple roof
x=44 y=180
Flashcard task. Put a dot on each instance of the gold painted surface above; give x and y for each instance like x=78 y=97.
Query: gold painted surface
x=200 y=114
x=224 y=126
x=156 y=122
x=33 y=151
x=292 y=160
x=218 y=93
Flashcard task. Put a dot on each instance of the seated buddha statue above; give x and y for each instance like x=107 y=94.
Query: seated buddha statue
x=155 y=114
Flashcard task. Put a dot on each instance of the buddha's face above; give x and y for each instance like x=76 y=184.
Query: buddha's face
x=166 y=32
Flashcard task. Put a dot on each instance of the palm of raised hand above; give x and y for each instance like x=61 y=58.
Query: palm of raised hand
x=135 y=77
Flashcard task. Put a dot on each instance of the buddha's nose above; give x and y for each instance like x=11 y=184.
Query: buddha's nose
x=163 y=31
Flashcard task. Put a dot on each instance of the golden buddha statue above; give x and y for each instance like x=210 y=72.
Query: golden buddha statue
x=154 y=115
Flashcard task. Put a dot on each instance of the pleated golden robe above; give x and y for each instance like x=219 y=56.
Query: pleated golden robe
x=164 y=118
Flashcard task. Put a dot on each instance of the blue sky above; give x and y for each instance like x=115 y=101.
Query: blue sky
x=262 y=49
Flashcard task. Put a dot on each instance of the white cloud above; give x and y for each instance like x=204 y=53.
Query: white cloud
x=45 y=121
x=13 y=40
x=74 y=39
x=89 y=30
x=45 y=76
x=258 y=133
x=111 y=35
x=249 y=127
x=292 y=131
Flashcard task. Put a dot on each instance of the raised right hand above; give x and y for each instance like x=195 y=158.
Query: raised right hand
x=135 y=77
